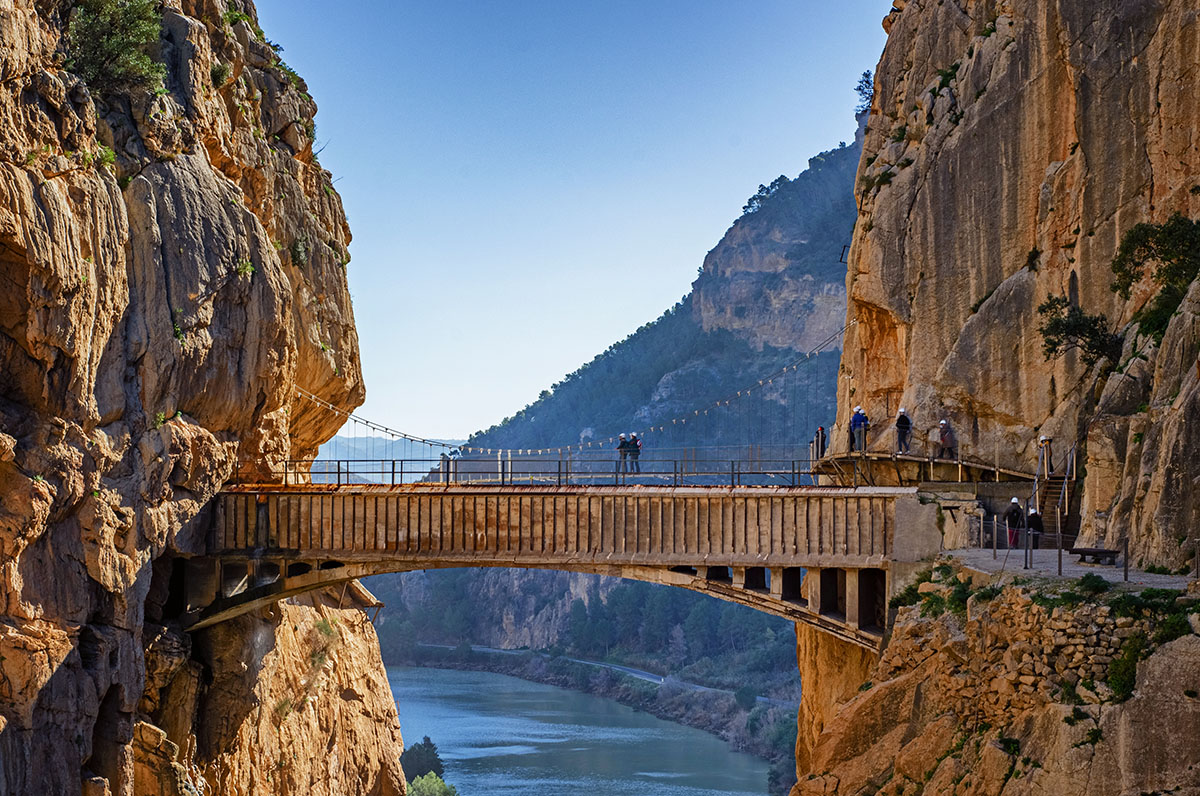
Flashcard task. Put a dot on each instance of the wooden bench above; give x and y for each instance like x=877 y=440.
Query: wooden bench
x=1099 y=555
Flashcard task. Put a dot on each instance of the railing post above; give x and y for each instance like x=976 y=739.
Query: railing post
x=995 y=533
x=732 y=481
x=1125 y=556
x=393 y=472
x=1059 y=545
x=560 y=472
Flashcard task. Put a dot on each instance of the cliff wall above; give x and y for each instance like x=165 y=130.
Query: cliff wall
x=1010 y=146
x=171 y=269
x=1018 y=695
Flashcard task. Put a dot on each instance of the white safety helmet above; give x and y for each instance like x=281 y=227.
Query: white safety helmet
x=941 y=422
x=1014 y=500
x=633 y=433
x=857 y=409
x=621 y=436
x=902 y=410
x=1033 y=510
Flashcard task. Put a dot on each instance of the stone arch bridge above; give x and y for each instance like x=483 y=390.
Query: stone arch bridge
x=827 y=556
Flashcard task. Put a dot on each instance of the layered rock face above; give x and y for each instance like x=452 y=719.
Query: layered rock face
x=171 y=269
x=1011 y=700
x=1010 y=146
x=775 y=278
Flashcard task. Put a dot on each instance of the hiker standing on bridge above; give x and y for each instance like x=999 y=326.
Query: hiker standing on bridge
x=858 y=429
x=623 y=450
x=816 y=448
x=635 y=450
x=947 y=444
x=1014 y=521
x=903 y=431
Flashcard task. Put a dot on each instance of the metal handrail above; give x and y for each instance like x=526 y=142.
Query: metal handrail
x=550 y=472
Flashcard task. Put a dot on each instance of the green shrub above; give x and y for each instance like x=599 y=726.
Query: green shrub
x=933 y=605
x=220 y=74
x=746 y=697
x=1092 y=584
x=909 y=594
x=1173 y=627
x=1065 y=326
x=108 y=44
x=1011 y=746
x=1122 y=671
x=430 y=785
x=947 y=75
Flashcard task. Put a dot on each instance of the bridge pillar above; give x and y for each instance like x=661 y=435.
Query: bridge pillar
x=853 y=615
x=813 y=587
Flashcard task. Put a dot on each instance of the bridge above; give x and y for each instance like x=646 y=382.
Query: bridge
x=823 y=540
x=825 y=555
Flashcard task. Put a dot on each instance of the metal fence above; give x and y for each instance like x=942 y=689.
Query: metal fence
x=578 y=470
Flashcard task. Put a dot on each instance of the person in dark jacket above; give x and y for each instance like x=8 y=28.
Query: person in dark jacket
x=947 y=443
x=623 y=451
x=903 y=431
x=1014 y=519
x=635 y=450
x=858 y=429
x=1036 y=529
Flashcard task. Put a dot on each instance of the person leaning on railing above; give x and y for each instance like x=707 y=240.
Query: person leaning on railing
x=947 y=443
x=859 y=423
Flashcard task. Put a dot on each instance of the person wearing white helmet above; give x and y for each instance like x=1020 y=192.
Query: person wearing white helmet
x=903 y=431
x=1045 y=457
x=635 y=450
x=623 y=451
x=1014 y=520
x=1036 y=529
x=947 y=444
x=858 y=429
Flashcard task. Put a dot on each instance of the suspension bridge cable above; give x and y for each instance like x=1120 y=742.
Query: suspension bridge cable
x=662 y=426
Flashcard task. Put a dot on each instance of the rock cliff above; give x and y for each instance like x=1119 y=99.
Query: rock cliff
x=1010 y=146
x=1013 y=696
x=171 y=270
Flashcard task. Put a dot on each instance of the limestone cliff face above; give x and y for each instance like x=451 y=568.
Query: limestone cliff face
x=775 y=277
x=1010 y=146
x=158 y=308
x=1012 y=700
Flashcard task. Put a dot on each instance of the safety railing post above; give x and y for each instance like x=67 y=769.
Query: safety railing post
x=393 y=472
x=732 y=480
x=1125 y=556
x=338 y=464
x=560 y=472
x=1059 y=545
x=995 y=533
x=1028 y=549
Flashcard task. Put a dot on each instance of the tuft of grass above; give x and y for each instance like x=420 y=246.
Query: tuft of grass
x=219 y=74
x=947 y=75
x=159 y=419
x=106 y=156
x=245 y=268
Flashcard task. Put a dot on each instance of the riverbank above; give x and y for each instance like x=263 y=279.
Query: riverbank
x=765 y=730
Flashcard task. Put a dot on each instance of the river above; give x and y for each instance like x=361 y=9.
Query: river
x=500 y=735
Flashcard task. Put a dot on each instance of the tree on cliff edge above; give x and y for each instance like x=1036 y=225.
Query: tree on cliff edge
x=420 y=759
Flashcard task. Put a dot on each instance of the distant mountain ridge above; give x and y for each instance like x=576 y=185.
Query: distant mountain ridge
x=773 y=287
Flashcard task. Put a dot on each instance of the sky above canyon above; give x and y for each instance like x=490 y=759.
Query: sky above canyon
x=528 y=182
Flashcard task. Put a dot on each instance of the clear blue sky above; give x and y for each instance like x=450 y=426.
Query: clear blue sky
x=528 y=182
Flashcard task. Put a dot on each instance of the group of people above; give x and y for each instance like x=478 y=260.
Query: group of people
x=629 y=449
x=860 y=423
x=1014 y=521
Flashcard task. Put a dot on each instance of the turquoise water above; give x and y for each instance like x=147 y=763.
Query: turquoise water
x=500 y=735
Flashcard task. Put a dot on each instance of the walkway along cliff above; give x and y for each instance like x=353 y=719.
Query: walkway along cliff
x=171 y=269
x=1011 y=146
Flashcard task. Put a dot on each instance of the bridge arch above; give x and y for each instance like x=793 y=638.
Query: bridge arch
x=824 y=556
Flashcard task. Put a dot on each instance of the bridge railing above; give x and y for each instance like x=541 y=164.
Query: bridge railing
x=576 y=470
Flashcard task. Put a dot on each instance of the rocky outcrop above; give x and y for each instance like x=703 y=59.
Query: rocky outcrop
x=171 y=270
x=776 y=278
x=1010 y=146
x=1011 y=699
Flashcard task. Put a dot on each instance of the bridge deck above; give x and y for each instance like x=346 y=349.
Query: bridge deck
x=532 y=525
